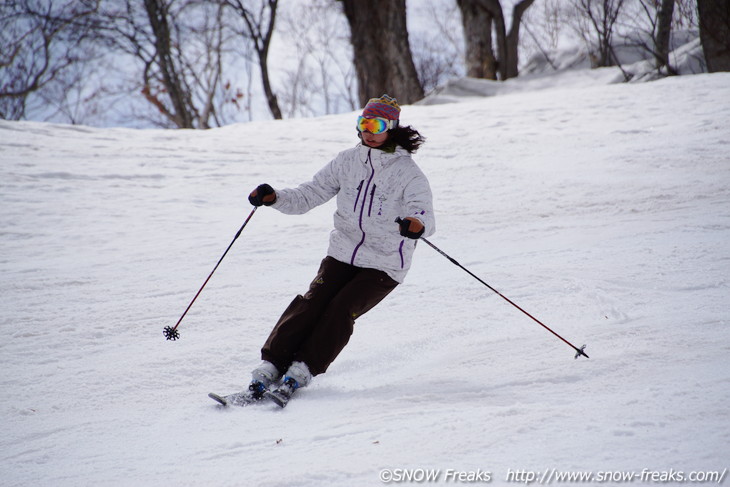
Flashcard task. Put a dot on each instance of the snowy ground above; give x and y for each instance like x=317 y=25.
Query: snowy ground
x=603 y=210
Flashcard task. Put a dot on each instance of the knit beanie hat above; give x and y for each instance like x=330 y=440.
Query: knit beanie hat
x=383 y=107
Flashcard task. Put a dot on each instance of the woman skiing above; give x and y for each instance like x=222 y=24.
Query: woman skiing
x=369 y=254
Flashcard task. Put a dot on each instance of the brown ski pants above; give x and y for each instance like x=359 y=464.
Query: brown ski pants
x=316 y=326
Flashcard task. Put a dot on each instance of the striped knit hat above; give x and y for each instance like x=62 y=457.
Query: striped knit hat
x=383 y=107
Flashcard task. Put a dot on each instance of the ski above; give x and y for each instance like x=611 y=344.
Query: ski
x=282 y=394
x=278 y=397
x=241 y=399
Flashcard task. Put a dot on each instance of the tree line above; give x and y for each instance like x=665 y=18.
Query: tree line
x=200 y=63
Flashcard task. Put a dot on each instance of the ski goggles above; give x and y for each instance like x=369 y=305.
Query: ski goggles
x=375 y=125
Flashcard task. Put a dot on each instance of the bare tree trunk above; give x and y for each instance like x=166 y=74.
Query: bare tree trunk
x=383 y=59
x=260 y=29
x=656 y=25
x=179 y=95
x=513 y=39
x=507 y=44
x=216 y=70
x=494 y=7
x=477 y=22
x=664 y=33
x=715 y=33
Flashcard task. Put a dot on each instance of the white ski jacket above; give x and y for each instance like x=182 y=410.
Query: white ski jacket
x=373 y=187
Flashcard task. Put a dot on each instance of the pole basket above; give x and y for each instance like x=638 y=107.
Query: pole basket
x=580 y=351
x=171 y=333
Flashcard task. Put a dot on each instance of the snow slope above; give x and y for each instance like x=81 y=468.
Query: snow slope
x=602 y=210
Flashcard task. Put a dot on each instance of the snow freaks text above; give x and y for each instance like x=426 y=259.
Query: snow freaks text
x=549 y=476
x=423 y=475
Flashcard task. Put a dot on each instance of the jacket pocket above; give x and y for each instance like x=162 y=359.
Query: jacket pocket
x=372 y=197
x=357 y=197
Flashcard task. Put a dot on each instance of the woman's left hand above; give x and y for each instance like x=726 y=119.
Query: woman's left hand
x=411 y=227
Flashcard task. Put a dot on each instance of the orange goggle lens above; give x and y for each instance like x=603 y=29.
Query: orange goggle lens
x=374 y=125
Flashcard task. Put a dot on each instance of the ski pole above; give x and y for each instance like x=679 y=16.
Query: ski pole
x=171 y=333
x=579 y=351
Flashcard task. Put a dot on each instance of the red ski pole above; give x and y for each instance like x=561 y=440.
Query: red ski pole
x=579 y=351
x=171 y=332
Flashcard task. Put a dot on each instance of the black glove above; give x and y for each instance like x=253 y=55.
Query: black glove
x=410 y=227
x=262 y=195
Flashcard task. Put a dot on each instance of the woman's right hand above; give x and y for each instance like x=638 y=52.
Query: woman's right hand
x=262 y=195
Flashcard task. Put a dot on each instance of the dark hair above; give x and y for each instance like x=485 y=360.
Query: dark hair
x=407 y=137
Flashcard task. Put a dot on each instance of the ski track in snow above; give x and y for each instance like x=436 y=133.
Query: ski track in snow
x=602 y=210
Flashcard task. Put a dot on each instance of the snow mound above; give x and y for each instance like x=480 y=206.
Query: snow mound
x=570 y=68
